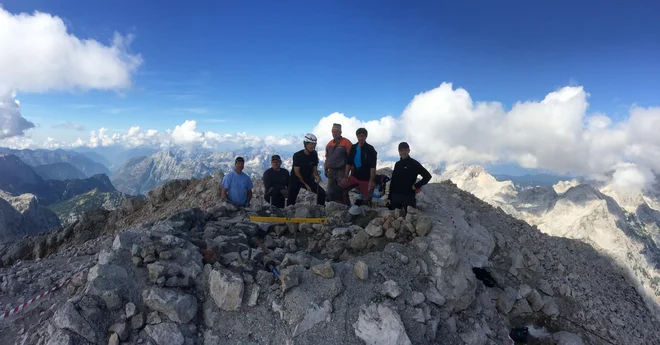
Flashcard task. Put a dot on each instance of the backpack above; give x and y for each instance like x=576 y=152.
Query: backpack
x=381 y=186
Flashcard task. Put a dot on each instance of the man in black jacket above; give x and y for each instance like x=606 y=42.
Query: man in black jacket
x=362 y=167
x=402 y=185
x=276 y=181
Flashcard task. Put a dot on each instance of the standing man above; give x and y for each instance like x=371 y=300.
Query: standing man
x=403 y=186
x=336 y=157
x=361 y=166
x=276 y=181
x=305 y=173
x=237 y=186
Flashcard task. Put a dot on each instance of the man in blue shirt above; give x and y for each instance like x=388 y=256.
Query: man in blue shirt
x=237 y=186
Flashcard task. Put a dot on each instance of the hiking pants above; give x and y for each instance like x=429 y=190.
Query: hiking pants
x=278 y=198
x=335 y=193
x=294 y=189
x=352 y=183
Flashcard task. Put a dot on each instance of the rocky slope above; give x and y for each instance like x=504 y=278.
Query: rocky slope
x=68 y=189
x=59 y=171
x=580 y=211
x=68 y=211
x=161 y=272
x=23 y=215
x=42 y=157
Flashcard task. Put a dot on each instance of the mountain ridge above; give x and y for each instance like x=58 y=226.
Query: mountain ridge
x=43 y=156
x=580 y=211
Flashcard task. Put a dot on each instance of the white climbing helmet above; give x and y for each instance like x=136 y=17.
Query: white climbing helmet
x=309 y=138
x=355 y=210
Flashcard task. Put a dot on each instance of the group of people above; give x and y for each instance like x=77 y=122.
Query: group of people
x=347 y=166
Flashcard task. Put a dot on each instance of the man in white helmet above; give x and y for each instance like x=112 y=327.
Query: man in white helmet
x=305 y=173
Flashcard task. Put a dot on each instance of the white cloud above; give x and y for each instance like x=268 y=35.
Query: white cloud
x=11 y=122
x=186 y=134
x=444 y=125
x=39 y=55
x=69 y=125
x=629 y=177
x=380 y=132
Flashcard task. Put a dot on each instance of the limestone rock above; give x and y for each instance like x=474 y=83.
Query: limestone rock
x=137 y=321
x=379 y=324
x=423 y=226
x=166 y=333
x=177 y=306
x=545 y=287
x=121 y=329
x=536 y=301
x=359 y=240
x=114 y=339
x=524 y=290
x=130 y=310
x=361 y=270
x=506 y=300
x=374 y=230
x=290 y=277
x=68 y=317
x=226 y=289
x=415 y=298
x=314 y=315
x=550 y=307
x=390 y=289
x=324 y=270
x=567 y=338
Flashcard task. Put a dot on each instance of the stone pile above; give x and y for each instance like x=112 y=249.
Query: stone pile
x=210 y=276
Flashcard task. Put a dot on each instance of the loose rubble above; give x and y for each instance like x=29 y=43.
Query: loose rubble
x=210 y=276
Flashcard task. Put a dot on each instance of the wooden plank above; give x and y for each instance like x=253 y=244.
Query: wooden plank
x=286 y=220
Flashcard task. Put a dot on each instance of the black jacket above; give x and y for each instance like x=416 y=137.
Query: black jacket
x=405 y=174
x=276 y=180
x=368 y=160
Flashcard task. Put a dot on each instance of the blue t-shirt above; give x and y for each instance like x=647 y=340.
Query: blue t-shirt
x=237 y=186
x=358 y=157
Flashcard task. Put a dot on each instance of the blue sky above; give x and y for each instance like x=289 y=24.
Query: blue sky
x=280 y=66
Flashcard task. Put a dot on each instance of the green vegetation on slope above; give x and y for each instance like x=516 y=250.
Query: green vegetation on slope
x=70 y=209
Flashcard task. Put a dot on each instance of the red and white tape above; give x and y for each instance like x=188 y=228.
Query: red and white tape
x=22 y=306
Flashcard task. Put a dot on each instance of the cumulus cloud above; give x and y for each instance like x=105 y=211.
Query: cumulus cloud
x=185 y=135
x=11 y=121
x=39 y=55
x=69 y=125
x=380 y=132
x=556 y=133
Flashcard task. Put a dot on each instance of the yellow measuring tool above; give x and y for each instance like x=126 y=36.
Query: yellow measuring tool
x=286 y=220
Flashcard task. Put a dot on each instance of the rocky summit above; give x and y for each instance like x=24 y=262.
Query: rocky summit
x=183 y=267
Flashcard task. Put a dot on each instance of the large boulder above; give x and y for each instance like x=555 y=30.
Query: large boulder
x=226 y=289
x=378 y=324
x=178 y=307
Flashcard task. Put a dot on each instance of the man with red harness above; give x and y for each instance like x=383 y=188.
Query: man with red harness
x=360 y=168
